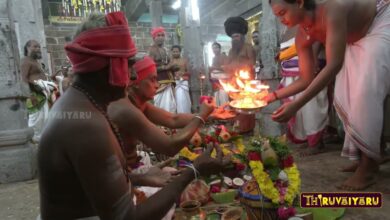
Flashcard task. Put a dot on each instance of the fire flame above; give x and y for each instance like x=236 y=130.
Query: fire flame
x=245 y=92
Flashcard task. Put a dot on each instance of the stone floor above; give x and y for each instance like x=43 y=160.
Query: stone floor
x=20 y=201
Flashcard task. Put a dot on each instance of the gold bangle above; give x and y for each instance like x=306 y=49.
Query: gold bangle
x=201 y=119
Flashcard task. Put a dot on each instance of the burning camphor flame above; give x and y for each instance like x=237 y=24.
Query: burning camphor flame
x=246 y=93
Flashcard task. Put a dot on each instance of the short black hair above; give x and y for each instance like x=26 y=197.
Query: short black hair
x=217 y=44
x=176 y=46
x=307 y=4
x=28 y=44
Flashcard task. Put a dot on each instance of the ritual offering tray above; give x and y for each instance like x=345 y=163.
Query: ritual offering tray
x=254 y=107
x=248 y=95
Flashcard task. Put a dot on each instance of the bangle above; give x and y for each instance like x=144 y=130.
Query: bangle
x=196 y=172
x=201 y=119
x=276 y=96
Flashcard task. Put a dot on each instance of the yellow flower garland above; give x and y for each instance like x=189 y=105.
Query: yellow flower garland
x=267 y=186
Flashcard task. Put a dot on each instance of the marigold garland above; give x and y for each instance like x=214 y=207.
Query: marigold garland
x=267 y=186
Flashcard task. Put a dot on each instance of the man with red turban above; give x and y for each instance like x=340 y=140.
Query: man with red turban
x=165 y=97
x=137 y=118
x=86 y=176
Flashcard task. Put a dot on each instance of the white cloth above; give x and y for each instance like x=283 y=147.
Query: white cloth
x=59 y=80
x=361 y=88
x=309 y=121
x=183 y=99
x=166 y=99
x=221 y=97
x=38 y=119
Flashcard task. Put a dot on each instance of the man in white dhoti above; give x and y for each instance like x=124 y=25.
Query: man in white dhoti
x=182 y=76
x=357 y=38
x=165 y=97
x=309 y=123
x=40 y=89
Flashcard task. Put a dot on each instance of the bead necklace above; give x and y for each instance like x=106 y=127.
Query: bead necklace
x=114 y=128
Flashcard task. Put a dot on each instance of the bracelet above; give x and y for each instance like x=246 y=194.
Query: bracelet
x=196 y=172
x=276 y=96
x=201 y=119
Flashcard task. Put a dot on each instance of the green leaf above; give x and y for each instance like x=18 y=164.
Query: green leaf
x=274 y=173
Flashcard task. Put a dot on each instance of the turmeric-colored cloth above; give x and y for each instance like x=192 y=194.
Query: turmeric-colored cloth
x=362 y=86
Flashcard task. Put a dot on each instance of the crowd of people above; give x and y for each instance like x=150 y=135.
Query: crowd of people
x=94 y=174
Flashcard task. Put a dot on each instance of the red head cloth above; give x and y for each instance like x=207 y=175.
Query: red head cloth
x=144 y=68
x=97 y=48
x=157 y=30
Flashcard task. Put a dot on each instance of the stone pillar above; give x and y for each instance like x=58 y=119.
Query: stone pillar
x=17 y=157
x=193 y=51
x=28 y=23
x=156 y=12
x=269 y=47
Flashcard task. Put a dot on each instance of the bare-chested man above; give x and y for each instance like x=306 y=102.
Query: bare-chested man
x=182 y=76
x=40 y=89
x=31 y=69
x=144 y=117
x=219 y=60
x=164 y=98
x=241 y=57
x=256 y=46
x=85 y=176
x=356 y=35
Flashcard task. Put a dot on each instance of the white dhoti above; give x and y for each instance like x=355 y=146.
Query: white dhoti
x=165 y=98
x=183 y=99
x=308 y=125
x=361 y=88
x=38 y=118
x=37 y=121
x=221 y=97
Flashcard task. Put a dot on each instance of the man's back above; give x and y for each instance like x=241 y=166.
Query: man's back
x=61 y=177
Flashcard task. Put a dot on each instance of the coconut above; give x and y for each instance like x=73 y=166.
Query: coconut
x=228 y=181
x=238 y=182
x=215 y=182
x=247 y=177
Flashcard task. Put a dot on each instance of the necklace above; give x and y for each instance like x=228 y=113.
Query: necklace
x=114 y=128
x=307 y=28
x=164 y=59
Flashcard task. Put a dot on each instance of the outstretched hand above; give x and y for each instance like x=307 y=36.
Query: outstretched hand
x=206 y=165
x=285 y=112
